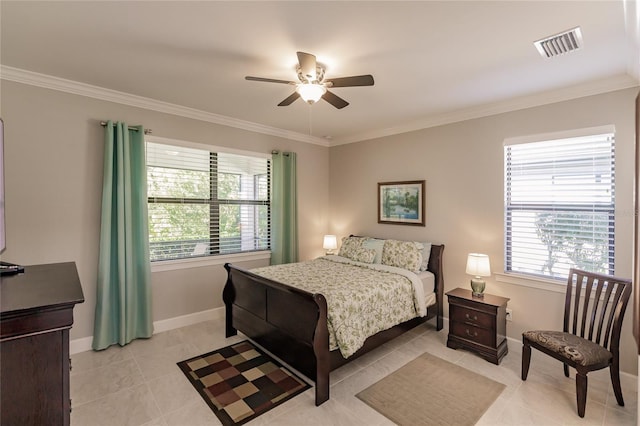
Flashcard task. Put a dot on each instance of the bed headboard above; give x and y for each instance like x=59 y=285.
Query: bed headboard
x=435 y=265
x=435 y=262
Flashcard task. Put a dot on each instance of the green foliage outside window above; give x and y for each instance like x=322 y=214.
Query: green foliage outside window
x=588 y=251
x=172 y=221
x=188 y=223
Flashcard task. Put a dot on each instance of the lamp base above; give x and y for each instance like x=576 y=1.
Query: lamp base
x=477 y=287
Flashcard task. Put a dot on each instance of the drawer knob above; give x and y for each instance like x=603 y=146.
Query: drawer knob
x=470 y=334
x=474 y=318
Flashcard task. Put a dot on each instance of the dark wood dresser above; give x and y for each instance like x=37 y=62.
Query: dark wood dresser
x=478 y=324
x=35 y=318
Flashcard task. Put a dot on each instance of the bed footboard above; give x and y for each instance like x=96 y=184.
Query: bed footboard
x=263 y=310
x=292 y=323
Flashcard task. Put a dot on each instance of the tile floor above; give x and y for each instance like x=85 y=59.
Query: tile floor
x=140 y=384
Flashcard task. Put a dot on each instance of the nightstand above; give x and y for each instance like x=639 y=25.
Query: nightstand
x=478 y=324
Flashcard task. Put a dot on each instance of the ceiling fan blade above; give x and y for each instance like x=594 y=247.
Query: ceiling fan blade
x=290 y=99
x=268 y=80
x=356 y=80
x=308 y=65
x=334 y=100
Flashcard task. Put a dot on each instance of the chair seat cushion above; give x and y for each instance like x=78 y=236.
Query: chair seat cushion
x=577 y=349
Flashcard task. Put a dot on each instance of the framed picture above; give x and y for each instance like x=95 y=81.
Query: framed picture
x=401 y=203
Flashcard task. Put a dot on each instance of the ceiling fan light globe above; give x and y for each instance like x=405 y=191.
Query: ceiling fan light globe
x=311 y=93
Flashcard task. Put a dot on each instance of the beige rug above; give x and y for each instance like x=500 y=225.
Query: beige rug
x=432 y=391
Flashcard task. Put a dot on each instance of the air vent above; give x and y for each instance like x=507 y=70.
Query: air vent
x=560 y=44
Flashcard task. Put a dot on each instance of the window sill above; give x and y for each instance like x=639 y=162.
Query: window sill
x=533 y=282
x=199 y=262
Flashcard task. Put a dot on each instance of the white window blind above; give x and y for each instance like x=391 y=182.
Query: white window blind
x=204 y=203
x=559 y=206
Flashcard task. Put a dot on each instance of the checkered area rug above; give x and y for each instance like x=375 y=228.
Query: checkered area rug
x=240 y=382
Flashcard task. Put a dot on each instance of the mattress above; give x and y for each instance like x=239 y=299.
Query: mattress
x=429 y=284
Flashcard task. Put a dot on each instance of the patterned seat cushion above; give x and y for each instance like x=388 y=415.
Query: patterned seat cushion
x=581 y=351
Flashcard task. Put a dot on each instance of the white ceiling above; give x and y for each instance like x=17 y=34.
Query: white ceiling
x=433 y=62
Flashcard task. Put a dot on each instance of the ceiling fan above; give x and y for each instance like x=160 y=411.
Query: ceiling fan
x=313 y=86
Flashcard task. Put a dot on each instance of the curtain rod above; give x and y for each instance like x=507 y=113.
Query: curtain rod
x=146 y=131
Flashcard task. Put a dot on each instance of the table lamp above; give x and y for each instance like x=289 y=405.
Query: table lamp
x=330 y=244
x=478 y=266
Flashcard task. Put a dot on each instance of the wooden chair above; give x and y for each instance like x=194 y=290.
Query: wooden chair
x=593 y=312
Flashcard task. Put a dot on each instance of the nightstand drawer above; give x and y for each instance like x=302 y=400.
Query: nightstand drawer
x=478 y=335
x=478 y=324
x=471 y=316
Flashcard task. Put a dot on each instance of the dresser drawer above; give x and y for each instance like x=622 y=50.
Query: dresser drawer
x=471 y=316
x=468 y=332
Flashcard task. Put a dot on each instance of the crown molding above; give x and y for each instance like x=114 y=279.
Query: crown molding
x=18 y=75
x=619 y=82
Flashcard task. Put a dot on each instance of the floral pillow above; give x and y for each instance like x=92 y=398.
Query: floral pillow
x=402 y=254
x=353 y=248
x=364 y=255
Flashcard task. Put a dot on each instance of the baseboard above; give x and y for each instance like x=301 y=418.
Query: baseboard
x=84 y=343
x=190 y=319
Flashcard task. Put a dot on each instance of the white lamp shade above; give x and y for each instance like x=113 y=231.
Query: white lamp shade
x=330 y=242
x=478 y=265
x=311 y=93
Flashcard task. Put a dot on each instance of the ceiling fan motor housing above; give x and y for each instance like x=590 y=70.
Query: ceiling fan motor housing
x=309 y=79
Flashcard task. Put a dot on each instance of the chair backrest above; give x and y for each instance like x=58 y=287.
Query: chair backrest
x=594 y=307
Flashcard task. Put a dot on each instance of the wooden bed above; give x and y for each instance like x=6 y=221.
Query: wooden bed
x=292 y=323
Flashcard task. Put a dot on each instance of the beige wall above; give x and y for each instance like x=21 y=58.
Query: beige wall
x=54 y=160
x=463 y=166
x=53 y=151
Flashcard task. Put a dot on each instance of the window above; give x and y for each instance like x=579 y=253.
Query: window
x=559 y=206
x=204 y=203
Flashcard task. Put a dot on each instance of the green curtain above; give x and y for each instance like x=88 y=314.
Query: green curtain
x=284 y=209
x=123 y=301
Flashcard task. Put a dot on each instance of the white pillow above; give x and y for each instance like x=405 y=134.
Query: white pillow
x=377 y=245
x=426 y=254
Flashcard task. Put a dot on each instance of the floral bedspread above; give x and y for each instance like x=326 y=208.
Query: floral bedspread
x=362 y=299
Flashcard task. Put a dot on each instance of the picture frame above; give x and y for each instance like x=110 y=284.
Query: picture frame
x=402 y=203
